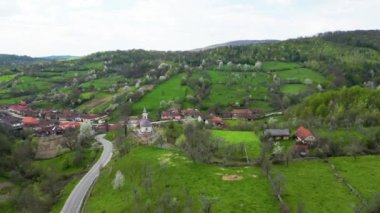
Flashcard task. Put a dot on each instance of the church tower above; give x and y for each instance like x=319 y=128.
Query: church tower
x=145 y=114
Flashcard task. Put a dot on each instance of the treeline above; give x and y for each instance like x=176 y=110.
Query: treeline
x=347 y=107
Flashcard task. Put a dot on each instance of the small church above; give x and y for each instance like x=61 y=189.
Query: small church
x=145 y=127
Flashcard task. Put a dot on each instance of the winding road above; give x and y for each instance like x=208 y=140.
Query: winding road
x=75 y=200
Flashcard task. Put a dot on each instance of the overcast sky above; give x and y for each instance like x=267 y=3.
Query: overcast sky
x=80 y=27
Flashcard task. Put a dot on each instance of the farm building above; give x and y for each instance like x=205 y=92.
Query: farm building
x=305 y=136
x=241 y=113
x=171 y=114
x=216 y=121
x=277 y=134
x=190 y=112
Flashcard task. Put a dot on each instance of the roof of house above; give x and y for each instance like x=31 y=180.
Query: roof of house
x=30 y=120
x=303 y=133
x=145 y=123
x=18 y=107
x=67 y=125
x=276 y=132
x=241 y=111
x=215 y=119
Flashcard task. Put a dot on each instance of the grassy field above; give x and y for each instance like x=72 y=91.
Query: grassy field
x=6 y=78
x=231 y=87
x=63 y=166
x=362 y=173
x=313 y=184
x=301 y=74
x=249 y=139
x=175 y=178
x=276 y=66
x=103 y=83
x=293 y=89
x=167 y=91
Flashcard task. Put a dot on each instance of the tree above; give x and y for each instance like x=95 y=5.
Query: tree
x=354 y=149
x=278 y=185
x=70 y=138
x=198 y=145
x=118 y=181
x=206 y=204
x=85 y=132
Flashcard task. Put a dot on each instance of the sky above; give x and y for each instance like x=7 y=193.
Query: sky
x=80 y=27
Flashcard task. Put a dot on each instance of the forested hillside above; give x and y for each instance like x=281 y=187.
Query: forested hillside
x=104 y=80
x=347 y=107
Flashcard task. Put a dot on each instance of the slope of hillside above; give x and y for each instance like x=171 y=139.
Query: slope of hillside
x=237 y=44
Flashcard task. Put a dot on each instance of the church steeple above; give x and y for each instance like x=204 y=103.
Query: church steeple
x=145 y=114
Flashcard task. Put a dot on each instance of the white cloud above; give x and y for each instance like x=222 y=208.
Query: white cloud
x=45 y=27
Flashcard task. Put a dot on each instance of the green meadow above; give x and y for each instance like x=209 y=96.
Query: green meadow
x=249 y=139
x=313 y=185
x=301 y=74
x=169 y=90
x=362 y=173
x=276 y=66
x=172 y=176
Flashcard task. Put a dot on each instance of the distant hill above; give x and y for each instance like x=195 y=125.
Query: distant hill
x=14 y=60
x=60 y=57
x=19 y=60
x=237 y=43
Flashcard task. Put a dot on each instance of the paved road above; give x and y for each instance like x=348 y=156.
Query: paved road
x=74 y=202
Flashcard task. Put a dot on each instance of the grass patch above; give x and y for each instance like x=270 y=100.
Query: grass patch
x=175 y=175
x=363 y=173
x=6 y=78
x=167 y=91
x=277 y=66
x=293 y=89
x=313 y=184
x=229 y=88
x=301 y=74
x=102 y=83
x=249 y=139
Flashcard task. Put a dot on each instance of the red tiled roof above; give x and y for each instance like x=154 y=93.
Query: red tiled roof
x=241 y=111
x=303 y=133
x=18 y=108
x=30 y=121
x=216 y=119
x=67 y=125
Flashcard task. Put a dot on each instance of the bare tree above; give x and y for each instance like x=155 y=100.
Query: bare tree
x=278 y=185
x=70 y=138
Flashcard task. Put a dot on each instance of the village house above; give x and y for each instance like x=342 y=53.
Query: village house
x=301 y=149
x=227 y=114
x=133 y=121
x=68 y=125
x=11 y=122
x=277 y=134
x=247 y=114
x=241 y=113
x=190 y=112
x=171 y=114
x=305 y=136
x=19 y=108
x=30 y=122
x=216 y=121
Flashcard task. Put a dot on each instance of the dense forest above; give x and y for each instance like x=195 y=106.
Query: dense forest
x=347 y=107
